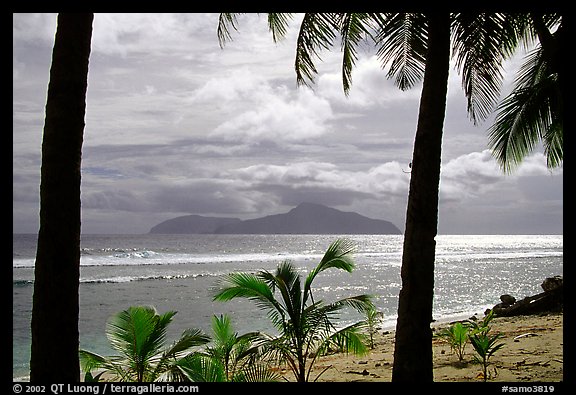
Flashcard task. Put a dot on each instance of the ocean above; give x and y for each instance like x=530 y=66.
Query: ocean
x=181 y=272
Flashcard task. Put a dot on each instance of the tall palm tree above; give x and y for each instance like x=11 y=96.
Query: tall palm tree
x=413 y=343
x=139 y=335
x=417 y=47
x=55 y=309
x=306 y=326
x=534 y=110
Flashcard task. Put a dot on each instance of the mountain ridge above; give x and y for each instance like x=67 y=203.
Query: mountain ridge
x=306 y=218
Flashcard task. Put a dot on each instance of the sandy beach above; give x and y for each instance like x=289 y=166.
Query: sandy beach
x=537 y=356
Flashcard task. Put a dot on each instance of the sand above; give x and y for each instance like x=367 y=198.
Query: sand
x=537 y=356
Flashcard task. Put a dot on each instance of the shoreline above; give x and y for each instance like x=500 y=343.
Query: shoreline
x=536 y=356
x=532 y=352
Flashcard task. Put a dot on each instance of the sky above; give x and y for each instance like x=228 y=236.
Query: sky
x=177 y=125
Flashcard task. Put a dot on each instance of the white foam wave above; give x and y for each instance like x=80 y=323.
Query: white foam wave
x=136 y=258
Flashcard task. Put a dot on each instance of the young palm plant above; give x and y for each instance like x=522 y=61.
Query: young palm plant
x=139 y=335
x=485 y=346
x=457 y=336
x=306 y=326
x=230 y=357
x=373 y=317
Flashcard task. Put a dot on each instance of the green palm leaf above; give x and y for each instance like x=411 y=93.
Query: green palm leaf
x=532 y=112
x=278 y=24
x=303 y=327
x=226 y=21
x=402 y=44
x=286 y=280
x=317 y=32
x=244 y=285
x=198 y=367
x=353 y=28
x=180 y=348
x=481 y=43
x=338 y=255
x=138 y=333
x=256 y=373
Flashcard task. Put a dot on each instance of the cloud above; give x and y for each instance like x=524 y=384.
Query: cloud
x=158 y=33
x=383 y=181
x=370 y=86
x=477 y=173
x=32 y=27
x=272 y=113
x=205 y=196
x=468 y=175
x=240 y=85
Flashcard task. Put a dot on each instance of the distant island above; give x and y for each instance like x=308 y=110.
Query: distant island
x=306 y=218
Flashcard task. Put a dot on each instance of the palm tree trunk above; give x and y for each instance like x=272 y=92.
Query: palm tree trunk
x=55 y=311
x=413 y=346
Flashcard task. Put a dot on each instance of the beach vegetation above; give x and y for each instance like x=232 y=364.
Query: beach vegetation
x=482 y=326
x=370 y=324
x=485 y=345
x=457 y=337
x=458 y=334
x=138 y=334
x=306 y=327
x=229 y=357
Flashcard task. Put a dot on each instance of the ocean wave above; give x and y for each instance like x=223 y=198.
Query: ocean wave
x=509 y=255
x=22 y=283
x=127 y=279
x=96 y=257
x=148 y=257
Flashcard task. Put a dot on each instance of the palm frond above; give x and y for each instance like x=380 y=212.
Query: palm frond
x=352 y=339
x=277 y=24
x=535 y=69
x=353 y=28
x=222 y=329
x=197 y=367
x=402 y=43
x=532 y=23
x=532 y=112
x=481 y=42
x=360 y=303
x=252 y=287
x=317 y=32
x=226 y=22
x=138 y=331
x=338 y=255
x=553 y=142
x=90 y=361
x=191 y=337
x=256 y=373
x=287 y=282
x=244 y=285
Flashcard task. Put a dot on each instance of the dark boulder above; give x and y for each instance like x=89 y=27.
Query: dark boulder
x=551 y=283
